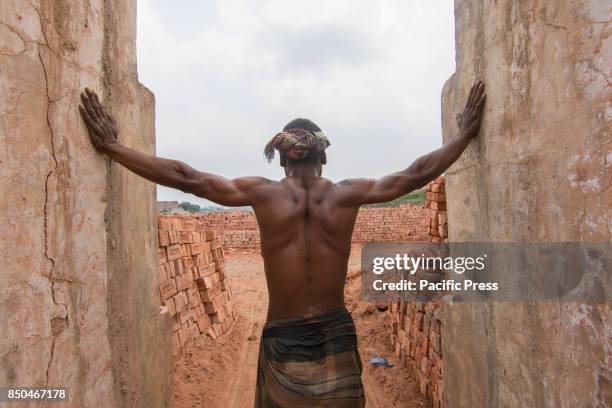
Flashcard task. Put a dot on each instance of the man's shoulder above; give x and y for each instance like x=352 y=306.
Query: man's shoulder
x=254 y=182
x=354 y=182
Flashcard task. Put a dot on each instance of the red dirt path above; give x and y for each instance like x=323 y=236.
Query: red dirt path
x=221 y=373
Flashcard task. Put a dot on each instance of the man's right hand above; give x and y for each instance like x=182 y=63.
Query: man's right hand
x=469 y=121
x=101 y=126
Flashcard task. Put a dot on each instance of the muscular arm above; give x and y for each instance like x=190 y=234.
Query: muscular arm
x=170 y=173
x=426 y=168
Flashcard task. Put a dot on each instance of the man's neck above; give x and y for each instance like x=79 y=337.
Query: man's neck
x=303 y=171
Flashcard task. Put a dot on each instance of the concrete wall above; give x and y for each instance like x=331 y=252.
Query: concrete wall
x=78 y=293
x=538 y=171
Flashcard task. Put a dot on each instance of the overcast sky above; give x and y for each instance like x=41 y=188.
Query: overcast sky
x=229 y=74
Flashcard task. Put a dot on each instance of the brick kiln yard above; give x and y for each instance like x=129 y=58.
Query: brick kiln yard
x=221 y=373
x=219 y=370
x=80 y=285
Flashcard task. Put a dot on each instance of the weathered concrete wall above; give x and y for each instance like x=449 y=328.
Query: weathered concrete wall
x=539 y=171
x=78 y=305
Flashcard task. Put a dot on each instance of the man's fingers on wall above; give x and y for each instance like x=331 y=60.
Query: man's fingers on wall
x=481 y=102
x=88 y=108
x=468 y=105
x=95 y=103
x=480 y=91
x=85 y=116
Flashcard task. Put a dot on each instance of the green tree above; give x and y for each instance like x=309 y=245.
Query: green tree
x=189 y=207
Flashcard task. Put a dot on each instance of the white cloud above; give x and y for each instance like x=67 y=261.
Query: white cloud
x=229 y=74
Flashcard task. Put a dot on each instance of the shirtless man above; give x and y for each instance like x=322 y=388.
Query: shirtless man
x=308 y=352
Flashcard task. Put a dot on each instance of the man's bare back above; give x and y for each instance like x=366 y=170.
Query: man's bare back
x=306 y=240
x=305 y=220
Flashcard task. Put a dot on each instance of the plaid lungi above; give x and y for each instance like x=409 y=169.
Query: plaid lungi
x=312 y=361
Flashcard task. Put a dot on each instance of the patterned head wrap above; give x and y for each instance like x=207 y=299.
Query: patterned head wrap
x=295 y=144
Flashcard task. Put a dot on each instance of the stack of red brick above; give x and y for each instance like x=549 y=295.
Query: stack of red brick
x=239 y=229
x=435 y=202
x=416 y=327
x=391 y=224
x=416 y=334
x=192 y=280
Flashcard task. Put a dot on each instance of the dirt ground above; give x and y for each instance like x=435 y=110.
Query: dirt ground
x=221 y=373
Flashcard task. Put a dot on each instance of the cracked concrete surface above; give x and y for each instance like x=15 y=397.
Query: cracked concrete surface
x=538 y=172
x=60 y=205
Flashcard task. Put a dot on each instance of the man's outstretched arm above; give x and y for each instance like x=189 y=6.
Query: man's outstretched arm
x=425 y=168
x=103 y=132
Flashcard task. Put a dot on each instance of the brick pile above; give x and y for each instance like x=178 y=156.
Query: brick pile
x=435 y=202
x=239 y=229
x=416 y=334
x=416 y=326
x=391 y=224
x=193 y=284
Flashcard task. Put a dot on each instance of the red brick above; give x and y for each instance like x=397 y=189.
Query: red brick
x=173 y=252
x=164 y=223
x=172 y=237
x=161 y=256
x=199 y=260
x=177 y=265
x=170 y=272
x=442 y=217
x=443 y=230
x=219 y=263
x=205 y=246
x=425 y=366
x=207 y=295
x=187 y=263
x=171 y=306
x=210 y=281
x=185 y=315
x=212 y=307
x=211 y=333
x=163 y=238
x=204 y=323
x=184 y=237
x=167 y=288
x=189 y=224
x=183 y=336
x=225 y=284
x=176 y=323
x=195 y=248
x=181 y=301
x=185 y=250
x=163 y=274
x=437 y=206
x=184 y=281
x=437 y=188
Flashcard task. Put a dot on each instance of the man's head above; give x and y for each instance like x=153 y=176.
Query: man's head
x=300 y=143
